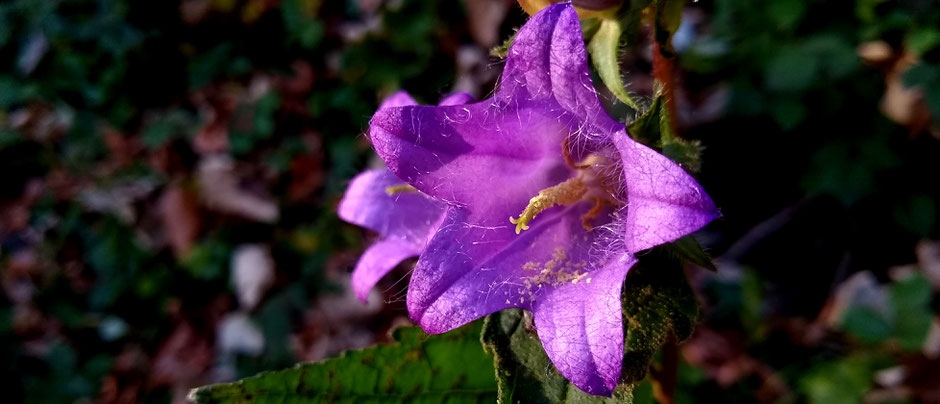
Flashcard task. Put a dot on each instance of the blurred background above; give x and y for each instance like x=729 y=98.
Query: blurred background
x=169 y=173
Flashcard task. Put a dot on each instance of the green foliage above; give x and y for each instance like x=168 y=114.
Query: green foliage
x=163 y=128
x=849 y=169
x=654 y=129
x=688 y=249
x=843 y=381
x=905 y=319
x=417 y=368
x=604 y=48
x=926 y=76
x=659 y=307
x=208 y=260
x=261 y=118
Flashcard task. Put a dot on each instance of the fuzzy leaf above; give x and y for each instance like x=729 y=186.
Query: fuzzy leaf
x=417 y=368
x=523 y=371
x=502 y=50
x=604 y=47
x=658 y=304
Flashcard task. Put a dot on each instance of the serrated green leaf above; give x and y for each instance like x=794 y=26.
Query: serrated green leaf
x=604 y=47
x=524 y=372
x=658 y=304
x=417 y=368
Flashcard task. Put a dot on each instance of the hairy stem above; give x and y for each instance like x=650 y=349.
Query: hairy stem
x=665 y=377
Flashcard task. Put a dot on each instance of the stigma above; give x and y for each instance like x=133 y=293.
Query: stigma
x=569 y=192
x=400 y=189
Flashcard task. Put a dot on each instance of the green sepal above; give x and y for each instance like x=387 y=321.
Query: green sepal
x=646 y=128
x=524 y=372
x=604 y=47
x=654 y=129
x=502 y=50
x=688 y=249
x=417 y=368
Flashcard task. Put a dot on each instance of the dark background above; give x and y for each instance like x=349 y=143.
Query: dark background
x=169 y=173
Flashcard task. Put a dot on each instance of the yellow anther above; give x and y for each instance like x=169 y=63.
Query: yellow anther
x=566 y=193
x=399 y=189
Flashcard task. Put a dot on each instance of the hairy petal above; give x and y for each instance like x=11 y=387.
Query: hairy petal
x=664 y=202
x=581 y=328
x=508 y=147
x=468 y=271
x=378 y=260
x=482 y=156
x=555 y=69
x=408 y=216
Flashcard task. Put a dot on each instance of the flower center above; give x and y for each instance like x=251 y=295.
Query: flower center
x=590 y=183
x=566 y=193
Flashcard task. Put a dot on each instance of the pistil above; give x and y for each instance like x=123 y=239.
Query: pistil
x=569 y=192
x=400 y=189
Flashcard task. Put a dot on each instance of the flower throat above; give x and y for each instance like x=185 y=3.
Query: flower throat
x=587 y=184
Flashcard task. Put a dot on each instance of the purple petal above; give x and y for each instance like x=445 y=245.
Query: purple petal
x=470 y=270
x=664 y=202
x=378 y=260
x=408 y=216
x=581 y=328
x=547 y=60
x=458 y=98
x=480 y=155
x=490 y=154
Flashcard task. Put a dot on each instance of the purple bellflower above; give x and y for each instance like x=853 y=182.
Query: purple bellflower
x=404 y=218
x=544 y=202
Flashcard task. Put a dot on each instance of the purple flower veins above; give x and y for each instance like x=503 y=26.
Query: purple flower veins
x=534 y=198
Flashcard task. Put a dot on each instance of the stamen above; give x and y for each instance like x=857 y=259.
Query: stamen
x=569 y=161
x=399 y=189
x=591 y=214
x=566 y=193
